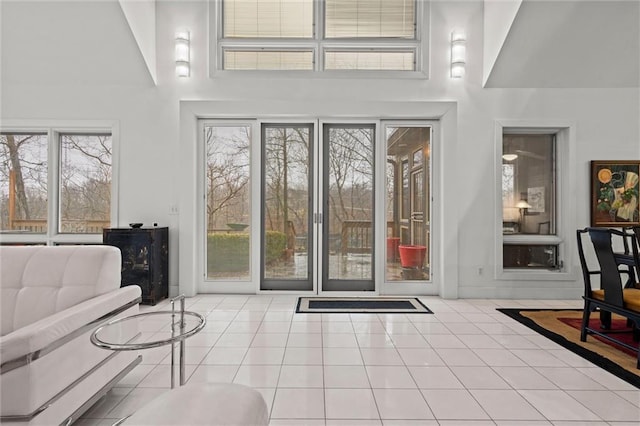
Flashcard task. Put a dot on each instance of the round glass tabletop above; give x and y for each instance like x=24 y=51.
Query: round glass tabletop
x=165 y=326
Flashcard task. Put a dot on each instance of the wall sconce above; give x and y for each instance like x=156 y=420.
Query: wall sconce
x=509 y=157
x=183 y=66
x=458 y=53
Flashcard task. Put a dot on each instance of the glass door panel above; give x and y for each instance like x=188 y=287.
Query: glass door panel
x=408 y=210
x=418 y=236
x=227 y=207
x=287 y=188
x=348 y=192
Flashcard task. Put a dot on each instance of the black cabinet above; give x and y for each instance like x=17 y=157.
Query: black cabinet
x=145 y=259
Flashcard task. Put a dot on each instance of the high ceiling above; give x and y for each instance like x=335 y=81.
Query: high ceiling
x=544 y=43
x=571 y=44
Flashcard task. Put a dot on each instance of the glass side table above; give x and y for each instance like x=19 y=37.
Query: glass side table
x=182 y=325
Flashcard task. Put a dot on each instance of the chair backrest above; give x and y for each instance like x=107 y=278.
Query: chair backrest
x=636 y=231
x=544 y=228
x=635 y=252
x=586 y=272
x=610 y=280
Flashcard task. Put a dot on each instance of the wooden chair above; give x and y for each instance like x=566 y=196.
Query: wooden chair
x=611 y=297
x=634 y=231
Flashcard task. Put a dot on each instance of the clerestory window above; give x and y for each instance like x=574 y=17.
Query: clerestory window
x=319 y=35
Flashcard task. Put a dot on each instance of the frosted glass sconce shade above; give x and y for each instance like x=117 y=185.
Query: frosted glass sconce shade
x=182 y=54
x=458 y=54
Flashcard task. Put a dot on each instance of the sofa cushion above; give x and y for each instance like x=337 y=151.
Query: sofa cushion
x=38 y=281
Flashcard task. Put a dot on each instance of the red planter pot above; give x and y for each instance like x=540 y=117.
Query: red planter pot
x=392 y=248
x=412 y=256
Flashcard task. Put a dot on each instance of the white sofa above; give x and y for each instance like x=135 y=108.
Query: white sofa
x=52 y=299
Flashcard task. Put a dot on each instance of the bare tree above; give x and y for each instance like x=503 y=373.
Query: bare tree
x=85 y=179
x=227 y=173
x=286 y=177
x=350 y=168
x=23 y=172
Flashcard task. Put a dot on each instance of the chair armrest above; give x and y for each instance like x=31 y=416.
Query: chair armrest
x=43 y=334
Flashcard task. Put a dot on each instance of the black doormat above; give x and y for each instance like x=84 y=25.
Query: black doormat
x=355 y=305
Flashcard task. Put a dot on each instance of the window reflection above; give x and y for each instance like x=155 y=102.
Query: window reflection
x=528 y=184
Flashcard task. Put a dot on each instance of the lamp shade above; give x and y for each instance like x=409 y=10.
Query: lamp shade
x=522 y=204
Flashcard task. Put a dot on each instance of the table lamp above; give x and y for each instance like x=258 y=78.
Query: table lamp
x=522 y=205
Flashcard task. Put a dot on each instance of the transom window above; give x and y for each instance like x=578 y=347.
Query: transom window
x=318 y=35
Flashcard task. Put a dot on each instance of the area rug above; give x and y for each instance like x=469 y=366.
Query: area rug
x=355 y=305
x=563 y=327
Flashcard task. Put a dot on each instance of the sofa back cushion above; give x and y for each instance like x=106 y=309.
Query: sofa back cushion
x=37 y=281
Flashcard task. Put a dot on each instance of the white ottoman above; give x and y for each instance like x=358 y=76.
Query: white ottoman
x=204 y=404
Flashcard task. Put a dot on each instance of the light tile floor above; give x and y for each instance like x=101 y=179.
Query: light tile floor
x=467 y=364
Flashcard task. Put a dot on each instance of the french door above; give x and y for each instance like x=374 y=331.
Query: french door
x=317 y=207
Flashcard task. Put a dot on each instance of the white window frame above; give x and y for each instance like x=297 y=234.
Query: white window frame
x=318 y=44
x=54 y=129
x=564 y=237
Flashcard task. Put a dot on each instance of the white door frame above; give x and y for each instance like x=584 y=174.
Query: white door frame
x=189 y=185
x=430 y=286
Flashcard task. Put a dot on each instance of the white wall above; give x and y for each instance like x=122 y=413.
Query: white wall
x=607 y=121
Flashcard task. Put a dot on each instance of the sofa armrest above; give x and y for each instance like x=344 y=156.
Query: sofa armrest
x=42 y=335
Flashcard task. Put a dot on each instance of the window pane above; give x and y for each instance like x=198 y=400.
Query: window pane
x=227 y=215
x=23 y=182
x=530 y=256
x=349 y=201
x=286 y=189
x=404 y=210
x=408 y=227
x=267 y=60
x=268 y=19
x=528 y=184
x=85 y=183
x=369 y=60
x=370 y=18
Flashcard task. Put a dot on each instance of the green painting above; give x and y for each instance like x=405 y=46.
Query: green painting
x=614 y=193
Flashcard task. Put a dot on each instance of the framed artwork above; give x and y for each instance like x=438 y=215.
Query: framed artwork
x=614 y=193
x=535 y=198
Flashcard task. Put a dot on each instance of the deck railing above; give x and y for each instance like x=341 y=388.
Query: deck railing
x=39 y=226
x=356 y=236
